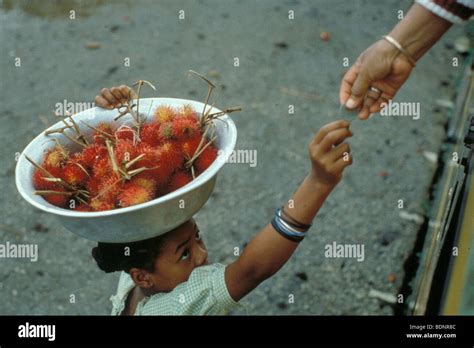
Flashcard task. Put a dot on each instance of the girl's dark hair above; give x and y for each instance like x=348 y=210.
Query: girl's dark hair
x=112 y=257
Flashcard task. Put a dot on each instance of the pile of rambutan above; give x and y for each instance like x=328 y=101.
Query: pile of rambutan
x=127 y=165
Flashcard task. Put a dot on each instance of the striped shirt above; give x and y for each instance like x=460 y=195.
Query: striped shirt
x=455 y=11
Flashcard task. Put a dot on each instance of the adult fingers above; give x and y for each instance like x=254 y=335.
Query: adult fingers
x=346 y=84
x=370 y=99
x=359 y=89
x=380 y=102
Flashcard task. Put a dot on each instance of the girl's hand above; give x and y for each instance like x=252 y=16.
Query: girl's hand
x=114 y=97
x=330 y=154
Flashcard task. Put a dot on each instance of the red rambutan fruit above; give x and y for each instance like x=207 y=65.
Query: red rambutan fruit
x=189 y=146
x=74 y=174
x=164 y=113
x=149 y=159
x=167 y=131
x=55 y=158
x=77 y=157
x=100 y=204
x=100 y=138
x=150 y=134
x=58 y=200
x=40 y=183
x=146 y=182
x=187 y=111
x=133 y=194
x=165 y=160
x=185 y=128
x=110 y=187
x=83 y=208
x=93 y=185
x=125 y=133
x=93 y=153
x=102 y=167
x=170 y=156
x=125 y=151
x=179 y=179
x=205 y=159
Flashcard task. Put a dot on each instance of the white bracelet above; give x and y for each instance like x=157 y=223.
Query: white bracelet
x=400 y=48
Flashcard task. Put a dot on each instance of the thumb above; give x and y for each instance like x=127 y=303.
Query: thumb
x=359 y=89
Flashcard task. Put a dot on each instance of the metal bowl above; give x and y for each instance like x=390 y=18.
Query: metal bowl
x=140 y=221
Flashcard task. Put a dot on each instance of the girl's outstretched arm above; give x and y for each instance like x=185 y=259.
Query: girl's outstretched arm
x=269 y=250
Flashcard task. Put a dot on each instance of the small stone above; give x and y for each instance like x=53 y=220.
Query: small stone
x=324 y=36
x=462 y=44
x=383 y=174
x=114 y=28
x=445 y=103
x=214 y=74
x=449 y=46
x=40 y=228
x=387 y=237
x=281 y=44
x=392 y=278
x=92 y=45
x=302 y=276
x=14 y=293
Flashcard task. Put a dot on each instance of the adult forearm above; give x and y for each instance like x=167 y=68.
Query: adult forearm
x=419 y=30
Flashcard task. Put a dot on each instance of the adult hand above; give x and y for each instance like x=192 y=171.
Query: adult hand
x=381 y=66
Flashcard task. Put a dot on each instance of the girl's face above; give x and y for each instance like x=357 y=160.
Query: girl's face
x=182 y=252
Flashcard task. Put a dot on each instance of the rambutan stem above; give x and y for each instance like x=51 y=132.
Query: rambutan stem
x=105 y=134
x=133 y=161
x=48 y=174
x=211 y=86
x=56 y=130
x=51 y=192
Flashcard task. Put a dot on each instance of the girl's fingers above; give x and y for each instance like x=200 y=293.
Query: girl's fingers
x=108 y=96
x=341 y=163
x=116 y=93
x=103 y=103
x=126 y=92
x=333 y=138
x=328 y=128
x=339 y=151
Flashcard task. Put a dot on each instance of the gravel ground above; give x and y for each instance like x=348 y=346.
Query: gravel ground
x=282 y=62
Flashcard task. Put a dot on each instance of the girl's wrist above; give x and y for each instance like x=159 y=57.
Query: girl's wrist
x=319 y=185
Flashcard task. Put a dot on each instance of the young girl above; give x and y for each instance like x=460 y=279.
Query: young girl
x=170 y=274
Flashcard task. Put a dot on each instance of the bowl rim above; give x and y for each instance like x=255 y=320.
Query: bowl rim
x=208 y=174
